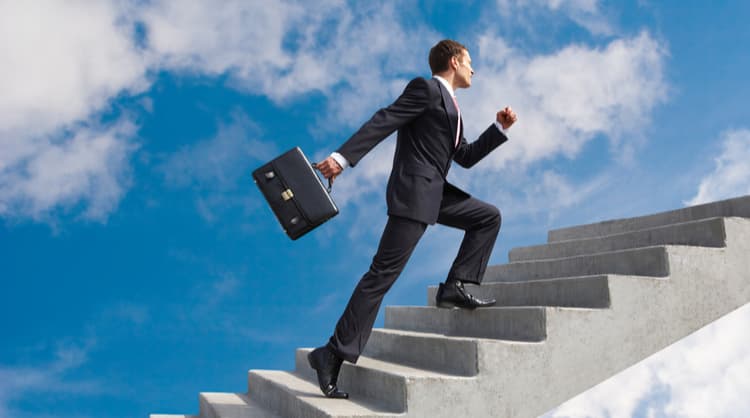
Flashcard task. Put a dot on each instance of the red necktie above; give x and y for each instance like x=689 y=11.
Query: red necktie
x=458 y=124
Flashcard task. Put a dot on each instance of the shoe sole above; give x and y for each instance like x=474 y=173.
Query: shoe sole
x=449 y=305
x=446 y=305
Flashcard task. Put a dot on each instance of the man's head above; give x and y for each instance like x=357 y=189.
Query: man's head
x=450 y=60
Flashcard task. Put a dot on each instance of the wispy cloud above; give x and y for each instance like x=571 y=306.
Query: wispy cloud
x=216 y=168
x=567 y=98
x=89 y=165
x=20 y=382
x=585 y=13
x=56 y=78
x=731 y=175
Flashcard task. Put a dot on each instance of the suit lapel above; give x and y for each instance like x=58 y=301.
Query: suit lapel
x=450 y=112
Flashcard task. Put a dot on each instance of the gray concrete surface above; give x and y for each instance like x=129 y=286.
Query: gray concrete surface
x=738 y=206
x=574 y=292
x=705 y=233
x=569 y=317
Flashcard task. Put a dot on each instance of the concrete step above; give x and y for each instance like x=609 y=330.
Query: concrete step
x=516 y=324
x=649 y=261
x=231 y=405
x=290 y=395
x=739 y=206
x=579 y=292
x=439 y=353
x=705 y=233
x=377 y=382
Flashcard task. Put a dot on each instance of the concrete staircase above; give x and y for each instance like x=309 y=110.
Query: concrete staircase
x=571 y=313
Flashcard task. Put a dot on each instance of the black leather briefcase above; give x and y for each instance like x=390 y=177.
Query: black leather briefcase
x=295 y=193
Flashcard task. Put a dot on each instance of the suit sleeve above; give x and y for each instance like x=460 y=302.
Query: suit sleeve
x=412 y=102
x=469 y=154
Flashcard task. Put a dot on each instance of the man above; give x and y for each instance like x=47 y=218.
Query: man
x=429 y=126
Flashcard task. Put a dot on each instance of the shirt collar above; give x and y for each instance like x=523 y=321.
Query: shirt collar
x=445 y=84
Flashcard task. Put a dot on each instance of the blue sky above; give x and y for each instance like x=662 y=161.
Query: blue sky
x=140 y=265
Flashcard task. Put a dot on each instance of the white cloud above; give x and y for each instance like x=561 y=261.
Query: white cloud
x=19 y=382
x=731 y=175
x=567 y=98
x=55 y=76
x=246 y=37
x=89 y=166
x=705 y=375
x=346 y=52
x=585 y=13
x=54 y=72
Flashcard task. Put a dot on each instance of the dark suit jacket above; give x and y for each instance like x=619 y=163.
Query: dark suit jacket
x=425 y=118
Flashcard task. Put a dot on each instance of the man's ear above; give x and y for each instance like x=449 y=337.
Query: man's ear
x=454 y=62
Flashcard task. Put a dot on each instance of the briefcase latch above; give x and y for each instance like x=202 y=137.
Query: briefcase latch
x=287 y=194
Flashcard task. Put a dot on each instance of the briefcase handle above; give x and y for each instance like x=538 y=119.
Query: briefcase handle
x=330 y=181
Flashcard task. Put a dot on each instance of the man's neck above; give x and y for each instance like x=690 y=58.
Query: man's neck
x=448 y=81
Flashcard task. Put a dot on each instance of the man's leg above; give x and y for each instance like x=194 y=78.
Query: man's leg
x=481 y=223
x=353 y=329
x=399 y=239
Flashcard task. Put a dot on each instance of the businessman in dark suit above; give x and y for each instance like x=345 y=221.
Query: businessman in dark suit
x=430 y=137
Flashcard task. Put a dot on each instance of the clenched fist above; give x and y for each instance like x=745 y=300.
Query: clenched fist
x=329 y=168
x=507 y=117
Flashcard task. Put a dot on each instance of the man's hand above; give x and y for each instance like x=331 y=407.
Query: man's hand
x=507 y=117
x=329 y=168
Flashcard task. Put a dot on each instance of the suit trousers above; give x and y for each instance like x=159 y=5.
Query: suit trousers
x=481 y=223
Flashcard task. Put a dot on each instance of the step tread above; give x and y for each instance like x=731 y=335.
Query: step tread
x=309 y=393
x=418 y=334
x=649 y=248
x=689 y=223
x=579 y=291
x=452 y=337
x=502 y=323
x=652 y=261
x=694 y=233
x=396 y=369
x=236 y=405
x=734 y=207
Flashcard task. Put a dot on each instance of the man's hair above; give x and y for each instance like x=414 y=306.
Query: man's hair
x=441 y=54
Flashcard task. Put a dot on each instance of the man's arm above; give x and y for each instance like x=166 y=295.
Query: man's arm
x=412 y=102
x=469 y=154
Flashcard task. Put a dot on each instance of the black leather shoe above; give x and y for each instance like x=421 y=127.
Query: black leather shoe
x=327 y=365
x=452 y=294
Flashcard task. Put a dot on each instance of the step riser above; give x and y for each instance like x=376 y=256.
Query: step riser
x=516 y=324
x=588 y=292
x=435 y=353
x=385 y=390
x=280 y=400
x=706 y=233
x=739 y=207
x=641 y=262
x=206 y=409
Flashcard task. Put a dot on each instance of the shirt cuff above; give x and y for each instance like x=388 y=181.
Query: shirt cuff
x=499 y=127
x=340 y=159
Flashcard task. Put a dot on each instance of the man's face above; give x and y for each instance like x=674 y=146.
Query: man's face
x=463 y=70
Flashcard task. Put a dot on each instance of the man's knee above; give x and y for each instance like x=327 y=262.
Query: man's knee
x=494 y=217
